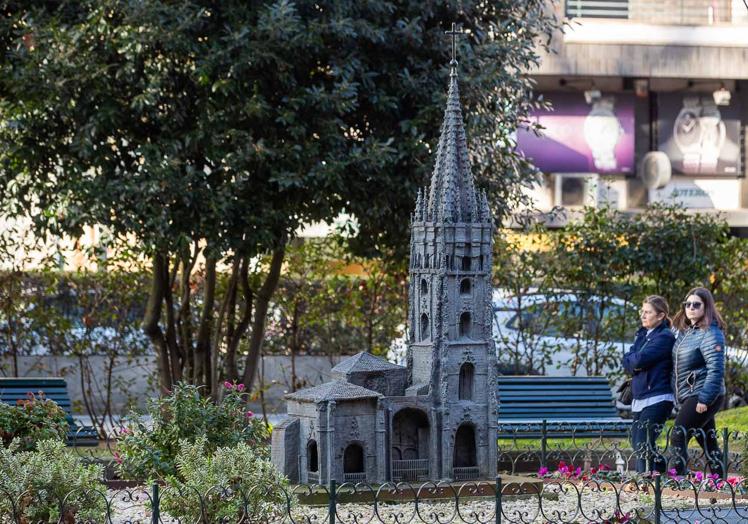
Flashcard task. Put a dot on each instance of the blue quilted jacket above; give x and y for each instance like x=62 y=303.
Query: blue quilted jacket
x=699 y=364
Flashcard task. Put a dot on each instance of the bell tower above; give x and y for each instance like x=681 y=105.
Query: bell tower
x=451 y=354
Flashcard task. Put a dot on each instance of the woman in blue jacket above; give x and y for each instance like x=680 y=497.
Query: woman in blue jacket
x=649 y=362
x=698 y=377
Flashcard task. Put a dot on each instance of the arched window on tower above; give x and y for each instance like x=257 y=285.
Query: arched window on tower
x=465 y=390
x=465 y=286
x=465 y=323
x=424 y=287
x=424 y=326
x=466 y=263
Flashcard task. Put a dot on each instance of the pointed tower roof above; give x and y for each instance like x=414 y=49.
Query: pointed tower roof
x=452 y=196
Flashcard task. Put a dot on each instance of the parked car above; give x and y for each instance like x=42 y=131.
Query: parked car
x=554 y=329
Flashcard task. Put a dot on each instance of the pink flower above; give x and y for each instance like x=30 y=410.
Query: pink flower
x=542 y=472
x=698 y=476
x=578 y=472
x=249 y=414
x=603 y=467
x=672 y=472
x=126 y=431
x=240 y=387
x=734 y=481
x=228 y=385
x=117 y=458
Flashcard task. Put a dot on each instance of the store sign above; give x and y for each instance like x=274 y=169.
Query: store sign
x=582 y=138
x=710 y=193
x=699 y=137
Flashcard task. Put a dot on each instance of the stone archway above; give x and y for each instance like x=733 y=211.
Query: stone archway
x=353 y=463
x=465 y=460
x=411 y=445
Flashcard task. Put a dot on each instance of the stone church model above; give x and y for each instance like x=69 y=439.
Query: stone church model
x=435 y=418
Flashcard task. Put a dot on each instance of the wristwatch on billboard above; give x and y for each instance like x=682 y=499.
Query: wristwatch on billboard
x=712 y=135
x=687 y=133
x=602 y=130
x=699 y=133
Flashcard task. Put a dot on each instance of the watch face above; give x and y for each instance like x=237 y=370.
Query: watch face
x=687 y=129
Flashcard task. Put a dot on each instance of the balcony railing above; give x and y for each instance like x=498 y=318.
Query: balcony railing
x=354 y=477
x=469 y=473
x=414 y=469
x=665 y=12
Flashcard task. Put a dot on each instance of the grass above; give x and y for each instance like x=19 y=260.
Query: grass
x=734 y=419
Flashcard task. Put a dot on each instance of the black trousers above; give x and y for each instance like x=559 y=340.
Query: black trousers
x=689 y=424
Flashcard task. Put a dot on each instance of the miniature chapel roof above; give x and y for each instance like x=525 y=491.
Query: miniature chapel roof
x=334 y=390
x=364 y=362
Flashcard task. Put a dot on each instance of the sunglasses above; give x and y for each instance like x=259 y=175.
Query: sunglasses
x=692 y=305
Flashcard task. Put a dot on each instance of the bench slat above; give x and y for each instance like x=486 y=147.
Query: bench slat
x=578 y=405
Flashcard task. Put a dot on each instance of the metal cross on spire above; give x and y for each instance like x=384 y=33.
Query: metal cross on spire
x=453 y=33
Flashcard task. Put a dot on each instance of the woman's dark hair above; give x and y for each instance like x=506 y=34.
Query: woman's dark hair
x=660 y=305
x=711 y=314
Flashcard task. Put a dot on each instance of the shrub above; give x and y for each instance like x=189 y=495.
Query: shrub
x=225 y=485
x=32 y=420
x=49 y=484
x=149 y=451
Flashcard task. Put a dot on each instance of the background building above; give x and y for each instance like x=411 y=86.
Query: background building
x=628 y=77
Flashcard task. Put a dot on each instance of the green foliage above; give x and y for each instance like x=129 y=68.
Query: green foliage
x=228 y=481
x=216 y=129
x=37 y=484
x=329 y=302
x=150 y=451
x=31 y=421
x=607 y=257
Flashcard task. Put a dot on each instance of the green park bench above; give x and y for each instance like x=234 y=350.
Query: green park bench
x=533 y=406
x=14 y=389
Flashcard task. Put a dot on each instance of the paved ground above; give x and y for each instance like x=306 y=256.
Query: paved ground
x=729 y=516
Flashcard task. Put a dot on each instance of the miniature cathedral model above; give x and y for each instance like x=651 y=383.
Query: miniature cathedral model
x=435 y=418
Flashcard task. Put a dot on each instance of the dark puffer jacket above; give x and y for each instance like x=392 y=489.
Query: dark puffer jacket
x=699 y=364
x=650 y=363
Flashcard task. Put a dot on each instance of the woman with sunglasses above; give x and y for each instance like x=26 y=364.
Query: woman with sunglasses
x=650 y=364
x=698 y=377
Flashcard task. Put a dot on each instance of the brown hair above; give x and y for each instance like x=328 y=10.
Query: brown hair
x=660 y=305
x=711 y=314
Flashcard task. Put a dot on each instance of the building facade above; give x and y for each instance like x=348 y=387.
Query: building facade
x=631 y=77
x=435 y=418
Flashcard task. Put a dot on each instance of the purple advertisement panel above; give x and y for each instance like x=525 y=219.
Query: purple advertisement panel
x=698 y=136
x=581 y=137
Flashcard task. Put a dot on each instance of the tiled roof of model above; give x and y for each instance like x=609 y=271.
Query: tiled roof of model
x=335 y=390
x=364 y=362
x=452 y=196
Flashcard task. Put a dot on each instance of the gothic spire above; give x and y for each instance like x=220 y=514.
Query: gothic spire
x=452 y=196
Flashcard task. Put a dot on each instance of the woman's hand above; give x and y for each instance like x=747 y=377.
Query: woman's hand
x=701 y=408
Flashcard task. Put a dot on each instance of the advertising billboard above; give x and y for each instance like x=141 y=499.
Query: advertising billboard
x=582 y=137
x=698 y=136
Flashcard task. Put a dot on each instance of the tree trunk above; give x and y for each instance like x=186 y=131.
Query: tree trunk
x=202 y=374
x=151 y=319
x=258 y=325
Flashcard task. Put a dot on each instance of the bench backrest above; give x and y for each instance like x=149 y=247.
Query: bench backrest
x=554 y=398
x=13 y=389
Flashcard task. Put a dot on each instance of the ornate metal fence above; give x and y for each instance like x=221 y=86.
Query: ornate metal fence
x=555 y=501
x=583 y=447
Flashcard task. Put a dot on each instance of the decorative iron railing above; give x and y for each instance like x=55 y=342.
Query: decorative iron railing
x=552 y=501
x=413 y=469
x=466 y=473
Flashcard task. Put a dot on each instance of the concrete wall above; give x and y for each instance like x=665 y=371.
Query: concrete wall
x=136 y=381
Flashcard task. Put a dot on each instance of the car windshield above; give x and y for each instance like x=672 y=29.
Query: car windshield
x=596 y=319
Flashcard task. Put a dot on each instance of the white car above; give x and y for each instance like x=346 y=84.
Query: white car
x=562 y=333
x=559 y=333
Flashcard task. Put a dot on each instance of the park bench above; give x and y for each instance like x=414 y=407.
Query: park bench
x=532 y=406
x=14 y=389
